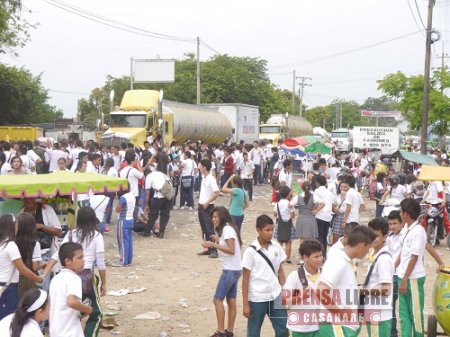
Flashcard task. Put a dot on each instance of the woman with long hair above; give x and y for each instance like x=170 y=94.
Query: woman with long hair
x=24 y=322
x=158 y=205
x=11 y=265
x=86 y=235
x=306 y=225
x=228 y=243
x=29 y=248
x=16 y=166
x=239 y=199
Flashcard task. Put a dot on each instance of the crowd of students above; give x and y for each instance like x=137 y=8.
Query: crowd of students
x=323 y=195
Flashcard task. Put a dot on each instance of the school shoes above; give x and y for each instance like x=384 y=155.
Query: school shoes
x=229 y=333
x=205 y=252
x=219 y=334
x=159 y=235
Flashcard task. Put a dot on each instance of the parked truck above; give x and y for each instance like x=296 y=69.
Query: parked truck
x=279 y=127
x=18 y=133
x=144 y=112
x=244 y=120
x=343 y=140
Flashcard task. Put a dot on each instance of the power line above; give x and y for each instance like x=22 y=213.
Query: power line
x=209 y=47
x=418 y=13
x=113 y=23
x=414 y=16
x=350 y=51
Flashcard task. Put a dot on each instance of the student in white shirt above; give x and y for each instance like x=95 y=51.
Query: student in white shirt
x=55 y=155
x=338 y=277
x=209 y=192
x=11 y=264
x=66 y=293
x=284 y=212
x=353 y=201
x=285 y=175
x=94 y=164
x=228 y=243
x=262 y=282
x=133 y=173
x=256 y=155
x=378 y=287
x=323 y=200
x=305 y=277
x=33 y=308
x=188 y=169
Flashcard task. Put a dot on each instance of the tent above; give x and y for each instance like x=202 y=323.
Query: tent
x=62 y=183
x=415 y=157
x=318 y=147
x=430 y=173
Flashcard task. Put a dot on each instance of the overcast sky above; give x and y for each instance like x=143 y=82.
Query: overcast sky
x=75 y=54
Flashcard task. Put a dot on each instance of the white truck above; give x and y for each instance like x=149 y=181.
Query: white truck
x=244 y=120
x=343 y=139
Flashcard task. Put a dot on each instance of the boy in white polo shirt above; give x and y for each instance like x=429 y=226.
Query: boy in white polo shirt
x=338 y=279
x=378 y=282
x=262 y=281
x=66 y=293
x=411 y=271
x=307 y=276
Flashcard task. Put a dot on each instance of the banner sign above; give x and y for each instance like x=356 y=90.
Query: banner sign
x=386 y=139
x=370 y=113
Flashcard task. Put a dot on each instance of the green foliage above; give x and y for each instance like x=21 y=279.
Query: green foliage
x=408 y=93
x=23 y=98
x=14 y=30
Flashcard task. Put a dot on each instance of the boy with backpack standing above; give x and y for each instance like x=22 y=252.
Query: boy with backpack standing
x=306 y=276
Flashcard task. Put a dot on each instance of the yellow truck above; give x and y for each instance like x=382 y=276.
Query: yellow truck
x=11 y=133
x=279 y=127
x=144 y=112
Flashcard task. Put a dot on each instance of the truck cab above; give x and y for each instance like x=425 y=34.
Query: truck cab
x=342 y=138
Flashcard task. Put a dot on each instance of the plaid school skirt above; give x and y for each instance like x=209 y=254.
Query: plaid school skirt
x=293 y=237
x=336 y=225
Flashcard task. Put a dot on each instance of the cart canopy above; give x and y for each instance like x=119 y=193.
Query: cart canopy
x=62 y=183
x=431 y=173
x=415 y=157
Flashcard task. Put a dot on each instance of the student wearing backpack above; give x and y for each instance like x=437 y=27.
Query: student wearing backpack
x=306 y=276
x=160 y=204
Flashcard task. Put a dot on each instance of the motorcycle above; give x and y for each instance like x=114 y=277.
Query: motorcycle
x=434 y=222
x=390 y=205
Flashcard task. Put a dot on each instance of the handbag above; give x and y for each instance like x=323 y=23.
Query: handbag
x=86 y=275
x=167 y=189
x=186 y=181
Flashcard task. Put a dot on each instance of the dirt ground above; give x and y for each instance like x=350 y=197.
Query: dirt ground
x=180 y=284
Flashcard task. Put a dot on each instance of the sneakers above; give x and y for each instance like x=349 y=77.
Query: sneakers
x=175 y=207
x=182 y=207
x=219 y=334
x=191 y=208
x=229 y=333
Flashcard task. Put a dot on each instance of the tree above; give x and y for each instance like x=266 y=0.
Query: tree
x=23 y=98
x=408 y=93
x=14 y=30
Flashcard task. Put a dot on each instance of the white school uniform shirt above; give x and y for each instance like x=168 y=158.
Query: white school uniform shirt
x=434 y=188
x=64 y=321
x=323 y=194
x=337 y=246
x=9 y=252
x=338 y=274
x=90 y=168
x=94 y=250
x=285 y=211
x=117 y=161
x=413 y=244
x=188 y=167
x=398 y=192
x=55 y=155
x=383 y=272
x=209 y=187
x=263 y=284
x=247 y=169
x=285 y=177
x=74 y=154
x=112 y=172
x=133 y=177
x=156 y=180
x=394 y=243
x=355 y=200
x=228 y=261
x=99 y=203
x=30 y=329
x=256 y=155
x=293 y=283
x=128 y=201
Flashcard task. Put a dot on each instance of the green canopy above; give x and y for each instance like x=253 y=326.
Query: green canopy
x=318 y=147
x=415 y=157
x=62 y=183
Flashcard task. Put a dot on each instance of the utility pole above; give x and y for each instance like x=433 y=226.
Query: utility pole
x=198 y=70
x=426 y=84
x=443 y=57
x=293 y=92
x=302 y=85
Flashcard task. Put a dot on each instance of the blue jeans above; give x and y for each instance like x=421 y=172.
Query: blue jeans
x=9 y=300
x=259 y=310
x=124 y=234
x=257 y=174
x=238 y=219
x=227 y=286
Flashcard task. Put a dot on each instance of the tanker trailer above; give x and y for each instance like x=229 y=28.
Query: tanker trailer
x=279 y=127
x=141 y=114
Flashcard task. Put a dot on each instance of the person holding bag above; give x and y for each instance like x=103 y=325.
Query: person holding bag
x=285 y=230
x=187 y=168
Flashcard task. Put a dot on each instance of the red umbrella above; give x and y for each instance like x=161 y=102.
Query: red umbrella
x=293 y=142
